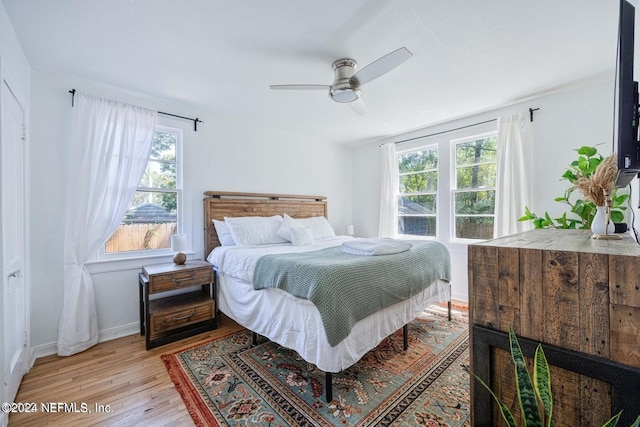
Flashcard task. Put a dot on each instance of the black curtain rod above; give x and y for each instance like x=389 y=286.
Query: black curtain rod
x=195 y=121
x=531 y=110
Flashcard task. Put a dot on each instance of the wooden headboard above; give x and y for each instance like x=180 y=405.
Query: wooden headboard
x=218 y=204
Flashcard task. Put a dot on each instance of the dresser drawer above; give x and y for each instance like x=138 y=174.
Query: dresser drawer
x=175 y=312
x=179 y=279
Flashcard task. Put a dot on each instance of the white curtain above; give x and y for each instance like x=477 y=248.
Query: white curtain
x=110 y=147
x=388 y=222
x=514 y=175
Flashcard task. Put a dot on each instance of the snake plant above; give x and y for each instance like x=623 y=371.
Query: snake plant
x=536 y=393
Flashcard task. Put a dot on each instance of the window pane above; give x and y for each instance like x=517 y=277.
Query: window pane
x=419 y=182
x=474 y=227
x=148 y=223
x=418 y=161
x=476 y=151
x=161 y=169
x=417 y=205
x=475 y=202
x=477 y=176
x=164 y=146
x=159 y=175
x=417 y=225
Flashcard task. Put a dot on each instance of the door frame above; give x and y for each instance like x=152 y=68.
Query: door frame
x=22 y=101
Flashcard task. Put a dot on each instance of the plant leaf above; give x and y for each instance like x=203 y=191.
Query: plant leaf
x=587 y=151
x=614 y=420
x=618 y=200
x=583 y=164
x=542 y=383
x=617 y=216
x=506 y=413
x=526 y=393
x=593 y=165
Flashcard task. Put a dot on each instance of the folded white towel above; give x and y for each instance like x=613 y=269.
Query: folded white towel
x=375 y=246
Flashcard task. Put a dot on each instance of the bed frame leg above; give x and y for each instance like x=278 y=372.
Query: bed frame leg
x=449 y=307
x=405 y=337
x=254 y=339
x=329 y=385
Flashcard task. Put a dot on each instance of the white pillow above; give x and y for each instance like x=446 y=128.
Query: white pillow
x=301 y=236
x=224 y=234
x=285 y=229
x=255 y=230
x=318 y=226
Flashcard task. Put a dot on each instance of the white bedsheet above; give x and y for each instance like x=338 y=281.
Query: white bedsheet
x=295 y=323
x=240 y=261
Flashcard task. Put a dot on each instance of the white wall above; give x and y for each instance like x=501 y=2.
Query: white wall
x=227 y=154
x=566 y=120
x=15 y=67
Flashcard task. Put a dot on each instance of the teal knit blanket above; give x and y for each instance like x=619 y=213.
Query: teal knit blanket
x=347 y=288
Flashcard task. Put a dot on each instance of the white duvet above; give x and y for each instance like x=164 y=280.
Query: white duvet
x=295 y=323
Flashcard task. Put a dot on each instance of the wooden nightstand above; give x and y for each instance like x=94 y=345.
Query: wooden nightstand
x=169 y=318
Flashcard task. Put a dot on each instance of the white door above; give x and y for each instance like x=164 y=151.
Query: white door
x=14 y=292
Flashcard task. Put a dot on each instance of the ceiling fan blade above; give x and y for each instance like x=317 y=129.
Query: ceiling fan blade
x=359 y=106
x=382 y=65
x=300 y=87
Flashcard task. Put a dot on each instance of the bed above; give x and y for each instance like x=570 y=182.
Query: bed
x=274 y=313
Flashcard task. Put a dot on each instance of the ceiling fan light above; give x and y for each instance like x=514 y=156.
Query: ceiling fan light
x=344 y=95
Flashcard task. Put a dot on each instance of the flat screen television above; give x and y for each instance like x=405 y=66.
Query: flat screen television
x=626 y=143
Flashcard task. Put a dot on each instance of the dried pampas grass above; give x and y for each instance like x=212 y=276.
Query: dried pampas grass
x=594 y=186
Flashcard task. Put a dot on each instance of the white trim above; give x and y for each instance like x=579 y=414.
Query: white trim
x=51 y=348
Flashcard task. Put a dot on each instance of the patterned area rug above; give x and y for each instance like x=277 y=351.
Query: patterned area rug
x=229 y=382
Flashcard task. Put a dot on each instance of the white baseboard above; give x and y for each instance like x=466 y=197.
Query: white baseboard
x=460 y=297
x=104 y=335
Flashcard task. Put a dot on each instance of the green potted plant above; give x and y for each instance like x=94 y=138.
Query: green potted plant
x=534 y=394
x=582 y=210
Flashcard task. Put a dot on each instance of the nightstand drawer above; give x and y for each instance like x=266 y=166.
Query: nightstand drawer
x=175 y=312
x=179 y=279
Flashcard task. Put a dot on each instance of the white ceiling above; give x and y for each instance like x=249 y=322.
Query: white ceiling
x=221 y=56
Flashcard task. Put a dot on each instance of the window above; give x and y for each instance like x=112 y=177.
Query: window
x=474 y=193
x=418 y=177
x=447 y=187
x=154 y=212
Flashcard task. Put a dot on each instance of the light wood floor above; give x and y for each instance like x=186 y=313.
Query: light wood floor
x=119 y=373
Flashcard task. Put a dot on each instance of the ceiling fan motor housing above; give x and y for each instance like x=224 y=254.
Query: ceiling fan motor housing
x=344 y=89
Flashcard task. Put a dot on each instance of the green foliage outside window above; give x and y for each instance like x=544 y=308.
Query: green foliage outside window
x=160 y=174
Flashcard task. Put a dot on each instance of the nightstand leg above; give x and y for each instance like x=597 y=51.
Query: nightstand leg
x=141 y=289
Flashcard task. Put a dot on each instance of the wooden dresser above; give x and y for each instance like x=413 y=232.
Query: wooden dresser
x=579 y=297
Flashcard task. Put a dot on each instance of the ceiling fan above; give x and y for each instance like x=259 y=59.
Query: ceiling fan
x=346 y=85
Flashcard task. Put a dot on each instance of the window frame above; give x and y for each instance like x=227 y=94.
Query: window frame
x=183 y=185
x=445 y=201
x=454 y=185
x=399 y=153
